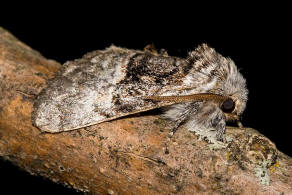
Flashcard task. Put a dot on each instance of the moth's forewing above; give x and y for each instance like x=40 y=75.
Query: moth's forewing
x=105 y=85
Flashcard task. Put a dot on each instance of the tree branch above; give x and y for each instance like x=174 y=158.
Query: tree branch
x=126 y=156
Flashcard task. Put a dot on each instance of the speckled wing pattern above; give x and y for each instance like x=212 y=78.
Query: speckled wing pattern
x=111 y=83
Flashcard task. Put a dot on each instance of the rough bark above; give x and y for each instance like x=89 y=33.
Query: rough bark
x=127 y=156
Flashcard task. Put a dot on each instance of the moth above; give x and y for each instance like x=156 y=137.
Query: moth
x=202 y=91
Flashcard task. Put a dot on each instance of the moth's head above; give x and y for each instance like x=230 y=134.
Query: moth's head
x=234 y=87
x=229 y=82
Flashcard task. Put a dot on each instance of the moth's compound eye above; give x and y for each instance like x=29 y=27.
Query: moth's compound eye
x=228 y=106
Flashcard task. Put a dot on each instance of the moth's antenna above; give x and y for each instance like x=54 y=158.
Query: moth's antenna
x=189 y=98
x=197 y=97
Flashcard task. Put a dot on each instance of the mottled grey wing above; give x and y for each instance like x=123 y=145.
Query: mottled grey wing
x=99 y=87
x=108 y=84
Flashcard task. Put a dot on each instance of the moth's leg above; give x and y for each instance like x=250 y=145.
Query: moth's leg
x=219 y=123
x=179 y=122
x=234 y=117
x=179 y=114
x=151 y=48
x=163 y=52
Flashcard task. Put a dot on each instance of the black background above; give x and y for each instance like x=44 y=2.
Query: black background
x=257 y=39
